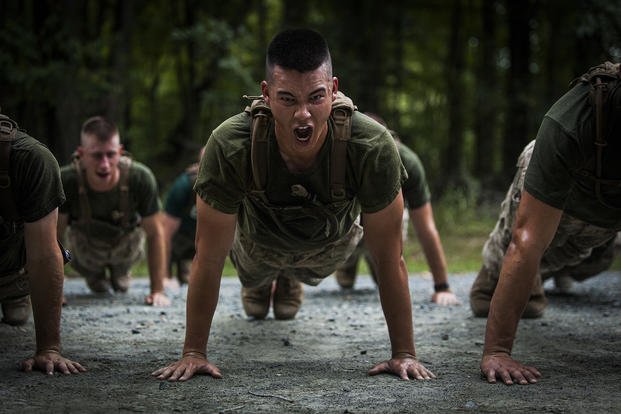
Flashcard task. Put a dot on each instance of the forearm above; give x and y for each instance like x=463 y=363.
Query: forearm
x=434 y=253
x=395 y=299
x=46 y=290
x=156 y=262
x=510 y=297
x=202 y=299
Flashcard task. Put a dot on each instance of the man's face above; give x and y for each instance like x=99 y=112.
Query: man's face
x=301 y=104
x=100 y=160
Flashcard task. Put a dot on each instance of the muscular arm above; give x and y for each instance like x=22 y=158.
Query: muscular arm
x=156 y=259
x=170 y=225
x=45 y=273
x=534 y=229
x=382 y=232
x=427 y=233
x=214 y=237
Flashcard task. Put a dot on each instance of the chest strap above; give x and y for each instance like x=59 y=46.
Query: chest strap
x=262 y=120
x=86 y=214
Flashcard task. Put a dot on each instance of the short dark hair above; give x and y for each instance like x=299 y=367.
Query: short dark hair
x=102 y=128
x=303 y=50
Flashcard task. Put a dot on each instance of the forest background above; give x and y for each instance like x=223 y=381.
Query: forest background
x=465 y=83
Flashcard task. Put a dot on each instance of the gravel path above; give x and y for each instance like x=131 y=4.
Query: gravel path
x=318 y=362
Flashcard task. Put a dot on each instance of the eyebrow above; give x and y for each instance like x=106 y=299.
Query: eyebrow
x=285 y=93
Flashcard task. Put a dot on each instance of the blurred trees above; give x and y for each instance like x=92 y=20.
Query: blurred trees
x=464 y=82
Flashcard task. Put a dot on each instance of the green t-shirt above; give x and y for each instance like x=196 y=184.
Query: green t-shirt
x=37 y=189
x=415 y=189
x=181 y=203
x=564 y=148
x=374 y=174
x=105 y=205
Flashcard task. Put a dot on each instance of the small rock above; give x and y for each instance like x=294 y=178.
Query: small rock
x=470 y=405
x=135 y=331
x=445 y=337
x=363 y=352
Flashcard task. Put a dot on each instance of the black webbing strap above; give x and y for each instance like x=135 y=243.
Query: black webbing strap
x=85 y=214
x=124 y=164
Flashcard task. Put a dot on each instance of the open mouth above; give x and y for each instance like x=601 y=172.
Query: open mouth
x=303 y=133
x=103 y=174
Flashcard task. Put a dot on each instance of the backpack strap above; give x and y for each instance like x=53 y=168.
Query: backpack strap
x=603 y=79
x=85 y=213
x=124 y=164
x=8 y=130
x=342 y=110
x=261 y=122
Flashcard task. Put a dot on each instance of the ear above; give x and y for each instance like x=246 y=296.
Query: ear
x=80 y=151
x=265 y=92
x=335 y=87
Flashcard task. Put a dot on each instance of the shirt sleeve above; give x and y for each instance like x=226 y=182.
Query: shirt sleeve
x=555 y=157
x=37 y=177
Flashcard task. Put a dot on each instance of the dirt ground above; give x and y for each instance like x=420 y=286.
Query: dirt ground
x=318 y=362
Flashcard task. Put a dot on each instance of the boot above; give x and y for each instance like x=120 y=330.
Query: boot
x=16 y=311
x=121 y=283
x=345 y=277
x=256 y=301
x=563 y=283
x=345 y=274
x=287 y=298
x=482 y=291
x=98 y=283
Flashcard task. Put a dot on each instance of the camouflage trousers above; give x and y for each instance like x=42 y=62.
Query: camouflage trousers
x=92 y=257
x=258 y=265
x=578 y=249
x=14 y=285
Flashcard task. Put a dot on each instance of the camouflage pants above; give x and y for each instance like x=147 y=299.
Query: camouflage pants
x=91 y=257
x=258 y=265
x=14 y=285
x=578 y=249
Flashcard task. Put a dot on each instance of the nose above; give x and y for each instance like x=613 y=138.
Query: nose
x=104 y=163
x=302 y=112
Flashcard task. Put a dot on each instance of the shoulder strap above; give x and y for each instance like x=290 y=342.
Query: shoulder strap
x=342 y=110
x=603 y=79
x=124 y=164
x=261 y=120
x=8 y=130
x=85 y=207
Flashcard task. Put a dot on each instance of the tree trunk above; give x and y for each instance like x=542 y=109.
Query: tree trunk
x=519 y=14
x=486 y=99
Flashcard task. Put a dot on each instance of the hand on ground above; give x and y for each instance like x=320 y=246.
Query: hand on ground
x=157 y=299
x=445 y=299
x=508 y=370
x=185 y=368
x=49 y=361
x=403 y=367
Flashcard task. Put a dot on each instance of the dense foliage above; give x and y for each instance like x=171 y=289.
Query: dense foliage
x=464 y=82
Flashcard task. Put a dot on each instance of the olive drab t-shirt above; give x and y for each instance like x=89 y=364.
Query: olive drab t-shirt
x=374 y=175
x=563 y=148
x=415 y=189
x=37 y=189
x=106 y=218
